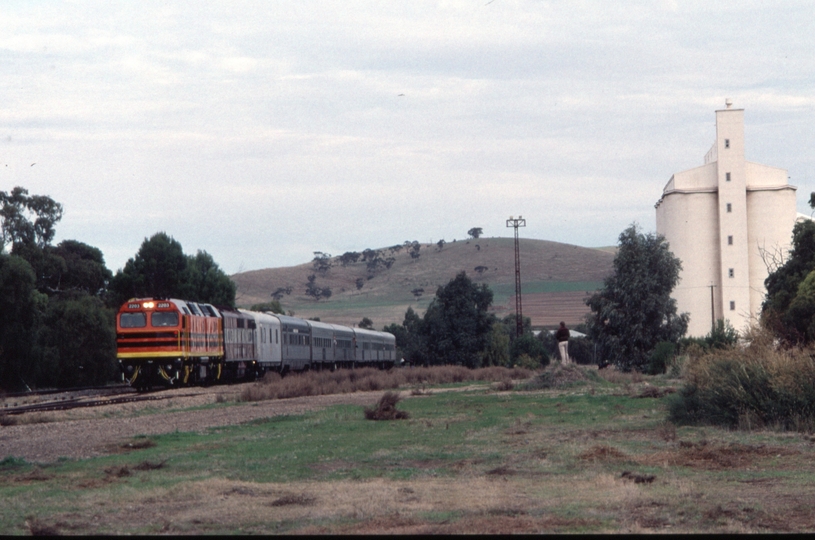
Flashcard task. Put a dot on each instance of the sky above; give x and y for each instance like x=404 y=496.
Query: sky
x=263 y=131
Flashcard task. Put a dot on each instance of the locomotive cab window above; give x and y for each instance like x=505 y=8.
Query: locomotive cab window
x=132 y=320
x=164 y=318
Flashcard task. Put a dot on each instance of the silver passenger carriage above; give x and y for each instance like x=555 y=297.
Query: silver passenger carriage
x=375 y=348
x=295 y=342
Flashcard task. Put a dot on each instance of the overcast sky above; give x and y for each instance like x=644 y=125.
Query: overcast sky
x=263 y=131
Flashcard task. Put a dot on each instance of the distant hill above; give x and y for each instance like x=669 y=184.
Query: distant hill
x=555 y=277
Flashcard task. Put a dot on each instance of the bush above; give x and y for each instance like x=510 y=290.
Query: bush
x=581 y=351
x=660 y=358
x=745 y=388
x=532 y=348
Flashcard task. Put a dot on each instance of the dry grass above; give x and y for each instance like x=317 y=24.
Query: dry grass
x=558 y=375
x=385 y=409
x=753 y=386
x=315 y=383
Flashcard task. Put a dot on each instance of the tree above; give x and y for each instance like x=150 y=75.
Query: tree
x=161 y=269
x=76 y=345
x=475 y=232
x=314 y=291
x=273 y=306
x=157 y=270
x=366 y=323
x=20 y=309
x=634 y=311
x=321 y=262
x=410 y=338
x=280 y=291
x=497 y=353
x=204 y=281
x=457 y=323
x=27 y=219
x=82 y=269
x=789 y=308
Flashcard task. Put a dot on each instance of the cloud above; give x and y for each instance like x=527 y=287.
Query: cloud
x=261 y=132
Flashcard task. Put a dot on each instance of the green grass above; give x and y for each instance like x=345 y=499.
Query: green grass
x=541 y=443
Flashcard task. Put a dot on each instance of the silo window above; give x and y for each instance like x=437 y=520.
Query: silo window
x=731 y=272
x=727 y=143
x=732 y=306
x=729 y=207
x=727 y=177
x=729 y=240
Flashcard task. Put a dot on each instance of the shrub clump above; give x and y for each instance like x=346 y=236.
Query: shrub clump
x=343 y=381
x=385 y=409
x=748 y=388
x=561 y=376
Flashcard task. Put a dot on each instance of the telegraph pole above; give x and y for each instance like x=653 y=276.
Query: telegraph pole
x=519 y=325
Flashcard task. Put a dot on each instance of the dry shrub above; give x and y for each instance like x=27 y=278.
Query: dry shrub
x=560 y=376
x=748 y=387
x=716 y=456
x=294 y=499
x=502 y=471
x=33 y=418
x=150 y=466
x=35 y=475
x=38 y=528
x=138 y=443
x=7 y=420
x=504 y=386
x=312 y=383
x=385 y=409
x=638 y=478
x=117 y=471
x=655 y=392
x=602 y=452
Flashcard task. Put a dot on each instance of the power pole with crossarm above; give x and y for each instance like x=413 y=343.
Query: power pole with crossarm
x=520 y=222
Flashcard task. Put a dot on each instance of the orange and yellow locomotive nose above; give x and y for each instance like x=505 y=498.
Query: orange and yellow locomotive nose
x=149 y=329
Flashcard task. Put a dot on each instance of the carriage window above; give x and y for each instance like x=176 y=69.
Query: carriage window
x=164 y=318
x=132 y=320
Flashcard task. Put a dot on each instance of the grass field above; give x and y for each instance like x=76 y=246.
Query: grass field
x=589 y=455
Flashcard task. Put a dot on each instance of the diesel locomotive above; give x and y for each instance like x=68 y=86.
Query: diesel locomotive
x=172 y=342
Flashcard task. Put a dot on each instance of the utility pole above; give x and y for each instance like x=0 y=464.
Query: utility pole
x=519 y=327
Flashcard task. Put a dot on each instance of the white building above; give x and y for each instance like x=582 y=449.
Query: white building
x=721 y=219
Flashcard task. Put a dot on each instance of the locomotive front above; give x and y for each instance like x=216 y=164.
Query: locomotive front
x=168 y=342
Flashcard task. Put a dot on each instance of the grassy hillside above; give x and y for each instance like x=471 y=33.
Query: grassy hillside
x=555 y=279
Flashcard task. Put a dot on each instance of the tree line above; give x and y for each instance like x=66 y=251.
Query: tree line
x=58 y=302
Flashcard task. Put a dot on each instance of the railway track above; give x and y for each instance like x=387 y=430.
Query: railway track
x=74 y=400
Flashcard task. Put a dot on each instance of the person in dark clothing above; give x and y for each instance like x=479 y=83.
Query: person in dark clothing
x=562 y=337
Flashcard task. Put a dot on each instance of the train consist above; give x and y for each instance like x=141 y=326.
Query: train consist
x=171 y=342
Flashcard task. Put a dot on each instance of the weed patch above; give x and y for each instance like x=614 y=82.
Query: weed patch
x=385 y=409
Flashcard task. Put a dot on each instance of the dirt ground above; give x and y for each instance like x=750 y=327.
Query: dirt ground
x=83 y=433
